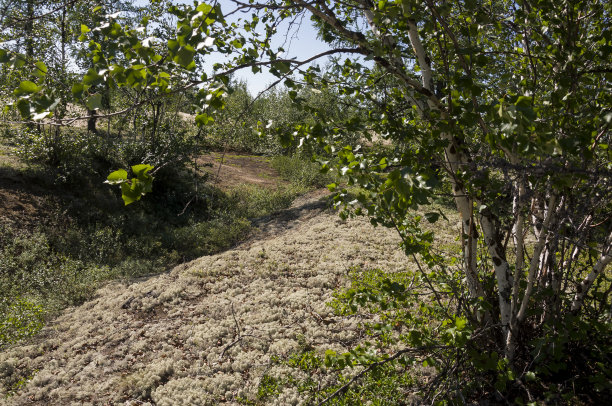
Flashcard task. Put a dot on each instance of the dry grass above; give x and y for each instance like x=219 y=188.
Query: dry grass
x=206 y=332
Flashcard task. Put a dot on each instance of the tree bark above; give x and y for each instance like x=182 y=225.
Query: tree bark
x=91 y=121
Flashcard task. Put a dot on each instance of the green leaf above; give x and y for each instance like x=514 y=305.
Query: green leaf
x=143 y=181
x=129 y=194
x=41 y=70
x=117 y=177
x=78 y=89
x=24 y=108
x=18 y=61
x=141 y=171
x=94 y=101
x=173 y=45
x=4 y=56
x=524 y=101
x=92 y=77
x=84 y=29
x=184 y=56
x=204 y=119
x=282 y=67
x=133 y=189
x=27 y=87
x=204 y=8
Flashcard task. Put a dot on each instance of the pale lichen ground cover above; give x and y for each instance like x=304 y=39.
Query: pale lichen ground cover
x=206 y=332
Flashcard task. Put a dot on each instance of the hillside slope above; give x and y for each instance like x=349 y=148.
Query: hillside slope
x=208 y=331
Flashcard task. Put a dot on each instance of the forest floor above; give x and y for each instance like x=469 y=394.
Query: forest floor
x=212 y=330
x=21 y=201
x=208 y=331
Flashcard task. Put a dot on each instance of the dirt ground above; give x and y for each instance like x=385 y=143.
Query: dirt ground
x=22 y=201
x=228 y=169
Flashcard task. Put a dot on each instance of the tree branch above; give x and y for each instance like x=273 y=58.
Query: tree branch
x=586 y=284
x=369 y=368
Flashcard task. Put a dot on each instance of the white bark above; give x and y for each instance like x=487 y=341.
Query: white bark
x=502 y=273
x=519 y=241
x=454 y=161
x=598 y=268
x=576 y=251
x=537 y=216
x=454 y=158
x=423 y=61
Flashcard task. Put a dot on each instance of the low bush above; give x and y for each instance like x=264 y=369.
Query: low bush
x=19 y=319
x=251 y=201
x=300 y=171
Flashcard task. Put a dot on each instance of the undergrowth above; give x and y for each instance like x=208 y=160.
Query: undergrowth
x=300 y=172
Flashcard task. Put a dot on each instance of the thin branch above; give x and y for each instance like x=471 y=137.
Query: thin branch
x=21 y=20
x=534 y=260
x=370 y=367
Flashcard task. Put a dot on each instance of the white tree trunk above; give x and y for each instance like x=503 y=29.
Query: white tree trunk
x=503 y=274
x=454 y=162
x=518 y=234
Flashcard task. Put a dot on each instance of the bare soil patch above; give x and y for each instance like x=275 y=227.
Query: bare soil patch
x=227 y=170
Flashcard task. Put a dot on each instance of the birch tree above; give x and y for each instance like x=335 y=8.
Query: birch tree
x=511 y=101
x=509 y=104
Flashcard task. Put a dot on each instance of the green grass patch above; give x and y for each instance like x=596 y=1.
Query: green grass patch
x=251 y=201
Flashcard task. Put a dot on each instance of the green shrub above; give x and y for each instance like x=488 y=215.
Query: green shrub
x=209 y=237
x=251 y=201
x=19 y=319
x=30 y=266
x=408 y=335
x=72 y=150
x=300 y=172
